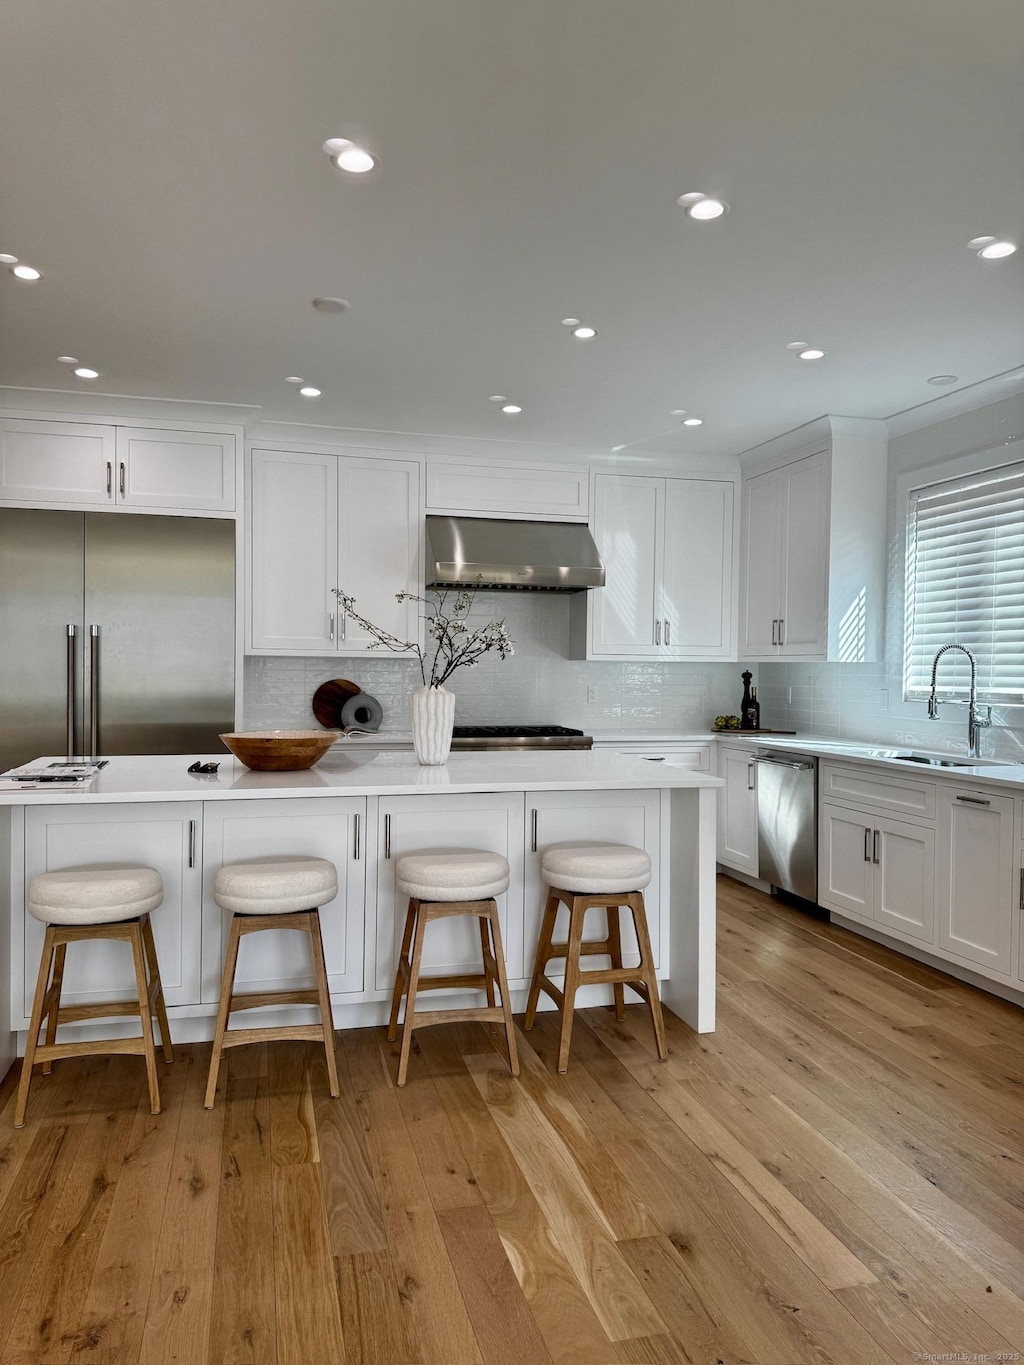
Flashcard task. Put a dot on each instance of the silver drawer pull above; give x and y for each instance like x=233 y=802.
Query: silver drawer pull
x=867 y=845
x=533 y=830
x=974 y=800
x=387 y=836
x=1022 y=888
x=874 y=846
x=355 y=838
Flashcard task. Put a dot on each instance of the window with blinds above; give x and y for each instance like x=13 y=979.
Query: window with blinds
x=965 y=583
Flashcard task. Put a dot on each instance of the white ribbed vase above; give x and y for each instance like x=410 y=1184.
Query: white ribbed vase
x=433 y=716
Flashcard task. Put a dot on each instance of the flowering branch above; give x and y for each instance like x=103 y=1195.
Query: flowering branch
x=456 y=646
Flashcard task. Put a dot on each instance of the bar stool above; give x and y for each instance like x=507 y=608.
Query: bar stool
x=440 y=884
x=94 y=903
x=274 y=893
x=584 y=875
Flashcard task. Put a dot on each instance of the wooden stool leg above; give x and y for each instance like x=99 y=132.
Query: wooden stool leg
x=158 y=1000
x=577 y=911
x=142 y=986
x=326 y=1017
x=422 y=918
x=542 y=957
x=636 y=904
x=42 y=981
x=615 y=946
x=402 y=974
x=506 y=1005
x=227 y=984
x=55 y=984
x=485 y=953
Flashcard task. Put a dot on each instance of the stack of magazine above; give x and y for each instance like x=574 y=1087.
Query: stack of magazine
x=71 y=772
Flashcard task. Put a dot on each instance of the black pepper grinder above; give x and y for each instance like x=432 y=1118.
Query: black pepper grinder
x=746 y=709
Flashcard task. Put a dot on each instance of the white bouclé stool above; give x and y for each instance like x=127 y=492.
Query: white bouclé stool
x=88 y=903
x=585 y=875
x=274 y=893
x=442 y=883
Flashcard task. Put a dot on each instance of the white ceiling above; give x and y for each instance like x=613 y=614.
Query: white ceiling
x=162 y=164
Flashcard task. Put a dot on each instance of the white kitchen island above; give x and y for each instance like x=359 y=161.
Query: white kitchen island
x=361 y=810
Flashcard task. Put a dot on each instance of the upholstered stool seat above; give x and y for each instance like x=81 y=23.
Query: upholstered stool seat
x=277 y=892
x=587 y=875
x=95 y=902
x=441 y=883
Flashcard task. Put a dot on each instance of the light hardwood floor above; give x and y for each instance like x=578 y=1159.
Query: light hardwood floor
x=835 y=1175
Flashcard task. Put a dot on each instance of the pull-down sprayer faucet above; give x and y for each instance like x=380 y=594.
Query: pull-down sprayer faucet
x=975 y=722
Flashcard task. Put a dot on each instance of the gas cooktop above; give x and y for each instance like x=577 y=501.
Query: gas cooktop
x=519 y=737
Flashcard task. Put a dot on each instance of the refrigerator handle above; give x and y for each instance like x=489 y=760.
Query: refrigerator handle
x=94 y=692
x=71 y=737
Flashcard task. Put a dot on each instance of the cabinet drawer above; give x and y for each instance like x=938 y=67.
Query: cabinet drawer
x=865 y=787
x=696 y=757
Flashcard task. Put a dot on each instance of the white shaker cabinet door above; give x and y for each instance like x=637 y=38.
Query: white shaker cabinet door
x=762 y=534
x=163 y=835
x=246 y=831
x=177 y=470
x=57 y=462
x=976 y=887
x=293 y=554
x=380 y=550
x=737 y=809
x=697 y=574
x=627 y=517
x=489 y=820
x=846 y=874
x=803 y=606
x=905 y=878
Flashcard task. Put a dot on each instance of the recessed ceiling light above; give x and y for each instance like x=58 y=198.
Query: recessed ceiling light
x=308 y=391
x=330 y=305
x=26 y=272
x=584 y=333
x=511 y=408
x=811 y=353
x=497 y=398
x=702 y=207
x=348 y=157
x=941 y=380
x=294 y=379
x=68 y=359
x=995 y=251
x=796 y=346
x=976 y=243
x=570 y=322
x=693 y=422
x=6 y=259
x=84 y=372
x=678 y=412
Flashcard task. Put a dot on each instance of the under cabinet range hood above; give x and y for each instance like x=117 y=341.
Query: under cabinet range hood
x=528 y=556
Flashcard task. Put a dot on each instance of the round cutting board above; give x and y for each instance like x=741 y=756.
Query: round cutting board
x=329 y=698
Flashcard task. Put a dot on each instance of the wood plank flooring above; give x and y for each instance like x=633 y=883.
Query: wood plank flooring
x=834 y=1177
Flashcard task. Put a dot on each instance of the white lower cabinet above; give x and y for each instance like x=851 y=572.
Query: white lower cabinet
x=976 y=888
x=737 y=809
x=491 y=821
x=317 y=827
x=166 y=836
x=621 y=817
x=878 y=870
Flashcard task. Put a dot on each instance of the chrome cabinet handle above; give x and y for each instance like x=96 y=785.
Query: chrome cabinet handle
x=775 y=631
x=191 y=843
x=751 y=774
x=867 y=845
x=874 y=846
x=355 y=838
x=71 y=742
x=533 y=830
x=110 y=478
x=974 y=800
x=387 y=836
x=782 y=630
x=94 y=692
x=1022 y=888
x=668 y=631
x=343 y=622
x=330 y=618
x=120 y=478
x=657 y=632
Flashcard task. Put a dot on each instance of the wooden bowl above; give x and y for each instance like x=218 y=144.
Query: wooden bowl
x=279 y=751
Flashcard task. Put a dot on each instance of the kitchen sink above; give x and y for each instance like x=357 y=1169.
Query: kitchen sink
x=931 y=761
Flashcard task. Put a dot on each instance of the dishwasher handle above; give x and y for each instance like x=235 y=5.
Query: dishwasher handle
x=798 y=765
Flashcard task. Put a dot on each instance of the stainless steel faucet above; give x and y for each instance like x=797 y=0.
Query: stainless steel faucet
x=975 y=721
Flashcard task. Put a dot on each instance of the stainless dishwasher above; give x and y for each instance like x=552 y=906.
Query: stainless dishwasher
x=787 y=821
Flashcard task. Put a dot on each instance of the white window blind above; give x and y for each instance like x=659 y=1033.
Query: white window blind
x=965 y=583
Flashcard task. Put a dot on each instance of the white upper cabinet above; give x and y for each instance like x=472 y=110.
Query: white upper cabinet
x=139 y=468
x=667 y=547
x=812 y=546
x=56 y=462
x=321 y=521
x=541 y=492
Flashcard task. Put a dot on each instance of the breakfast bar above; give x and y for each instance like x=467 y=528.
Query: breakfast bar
x=360 y=810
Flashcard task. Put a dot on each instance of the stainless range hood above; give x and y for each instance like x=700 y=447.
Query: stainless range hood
x=546 y=556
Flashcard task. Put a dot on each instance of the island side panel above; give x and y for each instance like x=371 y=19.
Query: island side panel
x=690 y=988
x=8 y=871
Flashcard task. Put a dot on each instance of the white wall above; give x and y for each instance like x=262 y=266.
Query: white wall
x=864 y=701
x=538 y=685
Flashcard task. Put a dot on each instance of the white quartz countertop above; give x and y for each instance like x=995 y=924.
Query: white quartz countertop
x=362 y=773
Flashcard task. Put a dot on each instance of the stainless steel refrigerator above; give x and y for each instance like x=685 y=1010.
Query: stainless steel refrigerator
x=116 y=634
